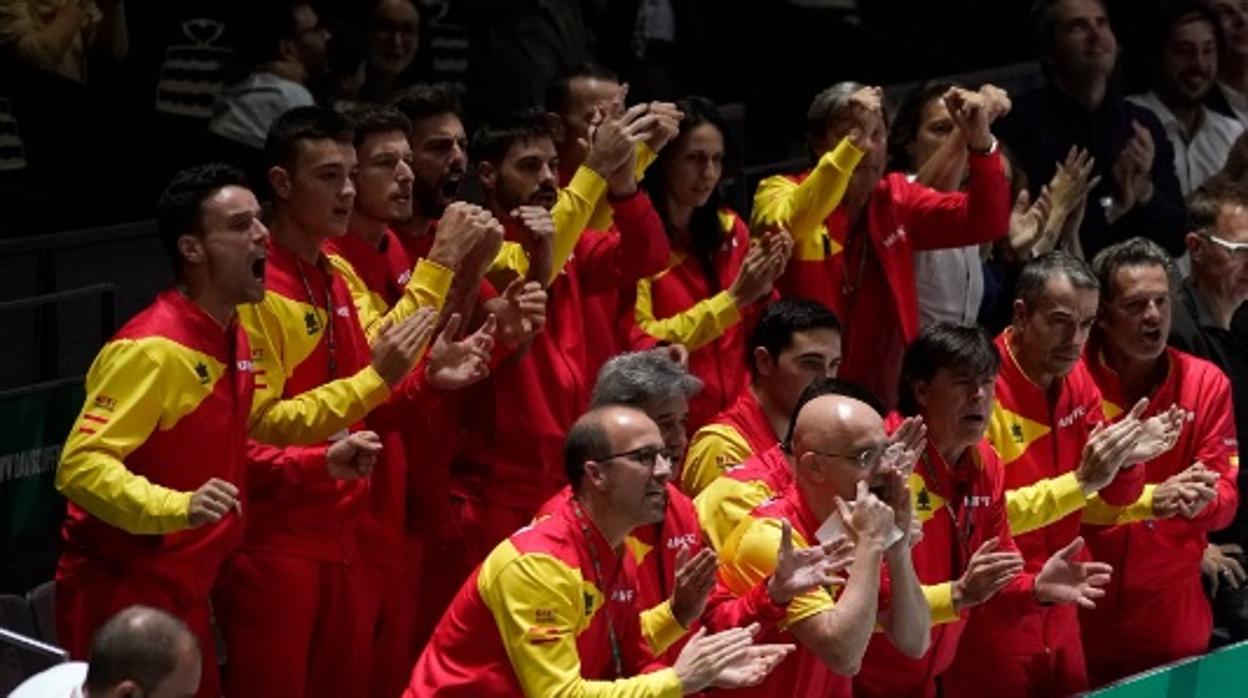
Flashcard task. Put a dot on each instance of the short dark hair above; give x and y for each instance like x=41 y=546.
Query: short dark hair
x=139 y=644
x=1044 y=24
x=635 y=378
x=179 y=211
x=1134 y=252
x=311 y=123
x=559 y=92
x=820 y=387
x=371 y=120
x=905 y=128
x=945 y=345
x=1174 y=14
x=783 y=319
x=1036 y=274
x=422 y=101
x=587 y=440
x=492 y=141
x=1204 y=205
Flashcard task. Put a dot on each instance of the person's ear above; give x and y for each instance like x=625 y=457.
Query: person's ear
x=1020 y=314
x=1192 y=241
x=763 y=363
x=596 y=474
x=488 y=174
x=126 y=689
x=922 y=391
x=192 y=249
x=279 y=181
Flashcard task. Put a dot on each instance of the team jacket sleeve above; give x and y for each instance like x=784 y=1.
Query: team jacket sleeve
x=427 y=288
x=271 y=469
x=980 y=214
x=122 y=409
x=635 y=248
x=310 y=417
x=572 y=213
x=1043 y=502
x=714 y=449
x=537 y=605
x=660 y=629
x=802 y=208
x=696 y=327
x=749 y=558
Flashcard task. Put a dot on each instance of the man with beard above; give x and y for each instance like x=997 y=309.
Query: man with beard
x=290 y=598
x=386 y=287
x=1207 y=324
x=503 y=474
x=176 y=385
x=1047 y=427
x=1185 y=63
x=1156 y=611
x=543 y=614
x=1080 y=106
x=966 y=555
x=855 y=230
x=675 y=571
x=842 y=458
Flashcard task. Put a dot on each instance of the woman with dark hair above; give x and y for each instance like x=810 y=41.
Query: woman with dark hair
x=710 y=292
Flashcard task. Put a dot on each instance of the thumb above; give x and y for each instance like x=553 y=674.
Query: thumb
x=1072 y=549
x=451 y=327
x=863 y=491
x=514 y=289
x=786 y=537
x=1139 y=408
x=489 y=326
x=988 y=546
x=843 y=509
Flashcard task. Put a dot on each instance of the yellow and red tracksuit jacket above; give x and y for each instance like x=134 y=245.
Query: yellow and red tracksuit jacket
x=680 y=305
x=530 y=621
x=1159 y=558
x=729 y=439
x=298 y=508
x=1040 y=441
x=168 y=400
x=960 y=506
x=747 y=559
x=513 y=445
x=803 y=204
x=730 y=498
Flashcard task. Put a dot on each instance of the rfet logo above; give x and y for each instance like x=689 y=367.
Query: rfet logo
x=623 y=595
x=895 y=237
x=1070 y=418
x=688 y=540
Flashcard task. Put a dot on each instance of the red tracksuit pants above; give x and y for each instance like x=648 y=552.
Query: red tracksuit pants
x=295 y=626
x=1039 y=655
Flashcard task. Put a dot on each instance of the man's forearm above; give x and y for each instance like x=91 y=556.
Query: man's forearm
x=909 y=617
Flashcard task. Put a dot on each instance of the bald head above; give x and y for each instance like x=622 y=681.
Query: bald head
x=145 y=648
x=597 y=434
x=833 y=423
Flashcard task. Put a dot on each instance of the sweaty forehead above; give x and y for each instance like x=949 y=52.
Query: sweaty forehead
x=587 y=92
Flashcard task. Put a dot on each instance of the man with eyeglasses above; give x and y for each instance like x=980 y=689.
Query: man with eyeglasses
x=1047 y=427
x=841 y=460
x=966 y=555
x=547 y=612
x=1210 y=320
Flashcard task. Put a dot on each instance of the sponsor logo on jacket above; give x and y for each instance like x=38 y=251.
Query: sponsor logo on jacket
x=1070 y=418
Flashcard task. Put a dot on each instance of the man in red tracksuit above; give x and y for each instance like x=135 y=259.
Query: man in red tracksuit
x=545 y=613
x=505 y=470
x=967 y=555
x=795 y=342
x=859 y=259
x=376 y=270
x=1156 y=611
x=290 y=599
x=1046 y=428
x=176 y=385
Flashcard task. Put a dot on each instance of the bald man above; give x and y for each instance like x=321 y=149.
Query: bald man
x=141 y=651
x=842 y=473
x=553 y=609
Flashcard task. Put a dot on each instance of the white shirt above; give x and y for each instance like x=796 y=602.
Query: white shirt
x=61 y=681
x=245 y=111
x=1199 y=155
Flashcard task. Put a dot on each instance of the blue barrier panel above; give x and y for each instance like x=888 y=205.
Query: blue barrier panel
x=1221 y=674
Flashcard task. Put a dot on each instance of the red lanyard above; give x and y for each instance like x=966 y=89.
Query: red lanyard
x=617 y=660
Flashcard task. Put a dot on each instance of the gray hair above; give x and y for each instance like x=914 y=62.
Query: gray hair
x=638 y=377
x=1135 y=252
x=1036 y=274
x=828 y=107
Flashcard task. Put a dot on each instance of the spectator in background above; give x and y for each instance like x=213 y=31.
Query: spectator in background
x=59 y=35
x=1204 y=324
x=393 y=38
x=1081 y=106
x=140 y=651
x=1184 y=63
x=288 y=46
x=708 y=296
x=1231 y=97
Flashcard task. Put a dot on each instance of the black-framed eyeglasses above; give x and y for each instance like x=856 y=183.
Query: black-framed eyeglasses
x=647 y=456
x=865 y=459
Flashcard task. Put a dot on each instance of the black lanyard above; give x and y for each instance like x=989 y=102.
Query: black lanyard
x=617 y=661
x=329 y=317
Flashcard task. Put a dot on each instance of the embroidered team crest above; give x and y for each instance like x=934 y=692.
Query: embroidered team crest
x=313 y=325
x=201 y=372
x=1016 y=433
x=589 y=603
x=923 y=501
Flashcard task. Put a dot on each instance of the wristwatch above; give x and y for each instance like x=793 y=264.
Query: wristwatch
x=991 y=148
